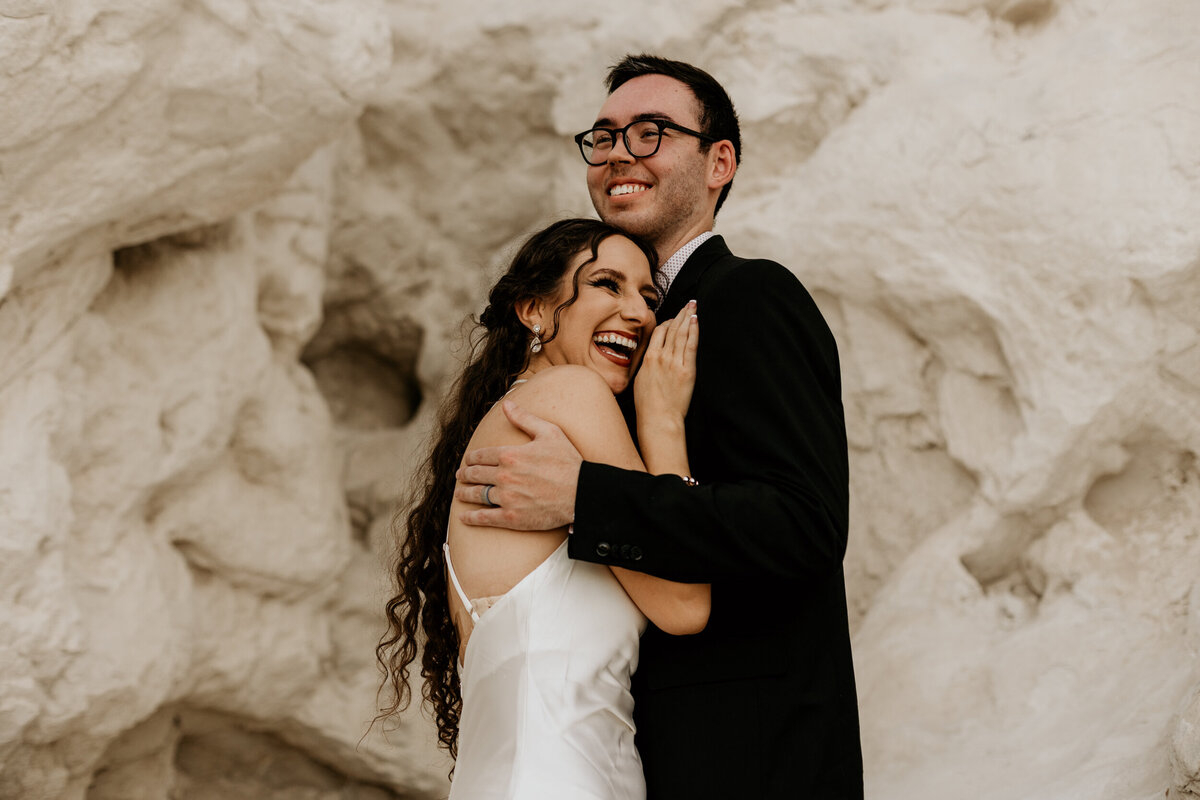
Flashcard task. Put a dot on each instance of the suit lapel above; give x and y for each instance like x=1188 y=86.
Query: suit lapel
x=693 y=269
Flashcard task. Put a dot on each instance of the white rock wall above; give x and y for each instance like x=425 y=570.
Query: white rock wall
x=182 y=596
x=237 y=244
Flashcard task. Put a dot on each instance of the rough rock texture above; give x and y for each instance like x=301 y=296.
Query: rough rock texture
x=238 y=242
x=175 y=534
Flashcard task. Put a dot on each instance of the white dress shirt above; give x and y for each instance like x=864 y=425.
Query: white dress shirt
x=670 y=268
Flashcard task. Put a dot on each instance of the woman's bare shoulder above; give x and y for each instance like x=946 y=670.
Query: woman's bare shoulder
x=565 y=395
x=580 y=402
x=565 y=389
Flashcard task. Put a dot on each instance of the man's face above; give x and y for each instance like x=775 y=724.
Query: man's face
x=665 y=195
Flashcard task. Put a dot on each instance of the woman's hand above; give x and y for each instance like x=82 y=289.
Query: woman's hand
x=662 y=390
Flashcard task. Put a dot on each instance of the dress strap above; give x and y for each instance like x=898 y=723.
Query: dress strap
x=458 y=586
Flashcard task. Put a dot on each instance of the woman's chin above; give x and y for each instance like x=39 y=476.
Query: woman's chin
x=618 y=379
x=618 y=385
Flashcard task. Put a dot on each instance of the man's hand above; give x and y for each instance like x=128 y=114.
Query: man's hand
x=533 y=484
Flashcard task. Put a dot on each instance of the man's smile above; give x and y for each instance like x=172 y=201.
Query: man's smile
x=626 y=188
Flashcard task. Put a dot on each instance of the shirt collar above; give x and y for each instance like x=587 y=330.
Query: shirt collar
x=670 y=268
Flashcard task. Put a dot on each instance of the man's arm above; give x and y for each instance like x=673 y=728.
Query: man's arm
x=767 y=439
x=533 y=484
x=580 y=404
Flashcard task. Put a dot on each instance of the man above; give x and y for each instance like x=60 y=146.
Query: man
x=761 y=704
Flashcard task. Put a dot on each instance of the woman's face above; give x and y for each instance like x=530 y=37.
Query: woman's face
x=608 y=326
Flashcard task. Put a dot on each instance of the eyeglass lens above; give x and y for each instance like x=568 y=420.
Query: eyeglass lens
x=641 y=140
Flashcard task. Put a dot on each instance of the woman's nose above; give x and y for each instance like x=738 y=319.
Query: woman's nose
x=635 y=309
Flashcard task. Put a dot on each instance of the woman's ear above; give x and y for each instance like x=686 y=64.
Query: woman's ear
x=529 y=311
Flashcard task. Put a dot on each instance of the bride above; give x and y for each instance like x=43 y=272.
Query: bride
x=526 y=654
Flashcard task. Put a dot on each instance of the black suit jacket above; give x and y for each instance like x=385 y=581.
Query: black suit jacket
x=761 y=703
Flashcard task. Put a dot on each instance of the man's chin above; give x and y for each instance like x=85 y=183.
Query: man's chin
x=633 y=220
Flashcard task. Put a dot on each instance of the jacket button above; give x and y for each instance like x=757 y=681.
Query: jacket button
x=625 y=551
x=603 y=549
x=636 y=553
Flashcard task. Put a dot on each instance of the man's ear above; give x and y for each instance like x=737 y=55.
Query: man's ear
x=529 y=311
x=722 y=164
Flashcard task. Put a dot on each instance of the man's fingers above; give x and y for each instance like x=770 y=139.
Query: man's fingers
x=495 y=518
x=486 y=517
x=531 y=424
x=488 y=456
x=476 y=476
x=473 y=493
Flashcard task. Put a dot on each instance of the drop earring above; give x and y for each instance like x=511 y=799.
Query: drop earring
x=536 y=345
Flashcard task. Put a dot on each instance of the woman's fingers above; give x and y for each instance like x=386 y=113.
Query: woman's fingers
x=693 y=341
x=681 y=329
x=660 y=340
x=674 y=342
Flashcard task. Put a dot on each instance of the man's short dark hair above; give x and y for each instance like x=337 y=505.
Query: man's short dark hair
x=717 y=117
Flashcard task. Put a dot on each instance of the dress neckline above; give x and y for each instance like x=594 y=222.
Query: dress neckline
x=514 y=385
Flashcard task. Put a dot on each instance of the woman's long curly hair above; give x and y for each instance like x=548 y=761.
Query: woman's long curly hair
x=419 y=614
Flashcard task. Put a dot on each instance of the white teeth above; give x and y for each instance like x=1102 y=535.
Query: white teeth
x=626 y=188
x=617 y=339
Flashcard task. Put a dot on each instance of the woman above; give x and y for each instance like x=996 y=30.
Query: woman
x=545 y=646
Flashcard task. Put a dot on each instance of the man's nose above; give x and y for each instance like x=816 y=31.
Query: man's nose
x=619 y=152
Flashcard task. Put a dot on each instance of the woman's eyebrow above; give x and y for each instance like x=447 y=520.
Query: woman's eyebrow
x=609 y=272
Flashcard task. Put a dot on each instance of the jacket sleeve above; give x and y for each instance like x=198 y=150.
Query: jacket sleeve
x=767 y=441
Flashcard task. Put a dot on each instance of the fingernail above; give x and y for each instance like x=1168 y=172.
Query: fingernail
x=691 y=302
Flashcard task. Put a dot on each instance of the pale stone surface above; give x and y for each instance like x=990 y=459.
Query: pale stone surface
x=207 y=106
x=204 y=436
x=1185 y=744
x=174 y=529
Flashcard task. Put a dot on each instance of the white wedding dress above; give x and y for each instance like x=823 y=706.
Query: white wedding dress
x=547 y=713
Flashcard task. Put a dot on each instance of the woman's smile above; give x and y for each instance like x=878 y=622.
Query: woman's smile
x=608 y=324
x=617 y=347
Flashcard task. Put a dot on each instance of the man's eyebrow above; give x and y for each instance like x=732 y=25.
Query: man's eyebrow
x=605 y=122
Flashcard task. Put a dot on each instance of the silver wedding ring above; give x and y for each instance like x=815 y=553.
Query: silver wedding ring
x=487 y=500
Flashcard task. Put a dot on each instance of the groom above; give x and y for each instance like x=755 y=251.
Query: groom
x=761 y=704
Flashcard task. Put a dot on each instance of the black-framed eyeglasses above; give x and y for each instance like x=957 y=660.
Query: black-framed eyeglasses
x=642 y=139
